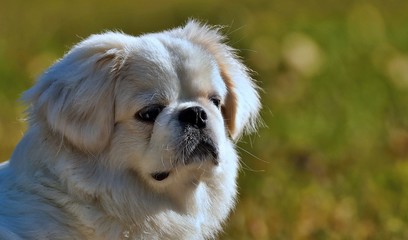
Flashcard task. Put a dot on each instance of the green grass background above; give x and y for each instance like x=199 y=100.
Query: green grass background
x=332 y=161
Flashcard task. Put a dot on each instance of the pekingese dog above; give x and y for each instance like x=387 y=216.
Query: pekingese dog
x=131 y=138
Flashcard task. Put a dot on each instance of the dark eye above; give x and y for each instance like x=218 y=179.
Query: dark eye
x=216 y=101
x=149 y=113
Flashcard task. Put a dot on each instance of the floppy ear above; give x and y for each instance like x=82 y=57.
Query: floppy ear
x=241 y=107
x=75 y=96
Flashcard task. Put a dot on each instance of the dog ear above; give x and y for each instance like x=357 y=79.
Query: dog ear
x=75 y=96
x=242 y=104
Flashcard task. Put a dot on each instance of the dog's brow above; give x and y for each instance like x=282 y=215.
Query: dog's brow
x=152 y=97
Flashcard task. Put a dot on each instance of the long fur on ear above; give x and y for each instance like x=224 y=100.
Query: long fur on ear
x=242 y=105
x=75 y=96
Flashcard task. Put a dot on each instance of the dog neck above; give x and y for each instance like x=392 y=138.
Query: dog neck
x=91 y=192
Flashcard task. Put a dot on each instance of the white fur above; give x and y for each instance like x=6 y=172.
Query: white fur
x=84 y=168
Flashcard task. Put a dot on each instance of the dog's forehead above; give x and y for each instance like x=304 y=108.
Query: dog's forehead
x=174 y=66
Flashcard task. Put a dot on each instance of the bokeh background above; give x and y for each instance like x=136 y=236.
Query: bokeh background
x=332 y=160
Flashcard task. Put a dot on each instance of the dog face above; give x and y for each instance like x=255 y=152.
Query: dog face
x=172 y=103
x=166 y=106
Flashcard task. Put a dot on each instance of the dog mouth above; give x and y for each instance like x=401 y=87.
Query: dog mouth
x=196 y=146
x=193 y=147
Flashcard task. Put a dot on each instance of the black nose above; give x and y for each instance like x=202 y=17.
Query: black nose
x=194 y=116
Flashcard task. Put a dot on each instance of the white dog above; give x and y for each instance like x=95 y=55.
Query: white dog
x=131 y=138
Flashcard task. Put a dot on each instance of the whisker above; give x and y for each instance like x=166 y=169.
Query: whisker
x=162 y=161
x=252 y=155
x=248 y=168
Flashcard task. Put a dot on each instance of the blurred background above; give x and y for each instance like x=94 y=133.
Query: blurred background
x=332 y=161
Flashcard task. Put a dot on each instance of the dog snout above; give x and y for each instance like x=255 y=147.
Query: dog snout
x=194 y=116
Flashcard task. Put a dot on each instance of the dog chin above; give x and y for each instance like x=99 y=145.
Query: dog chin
x=196 y=149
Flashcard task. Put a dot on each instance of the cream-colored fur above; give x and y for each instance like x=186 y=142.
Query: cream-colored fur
x=85 y=169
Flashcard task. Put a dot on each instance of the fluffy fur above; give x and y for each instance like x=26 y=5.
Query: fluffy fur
x=111 y=151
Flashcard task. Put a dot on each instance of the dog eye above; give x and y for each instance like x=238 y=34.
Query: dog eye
x=149 y=113
x=216 y=101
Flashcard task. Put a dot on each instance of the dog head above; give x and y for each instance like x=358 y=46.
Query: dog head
x=157 y=103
